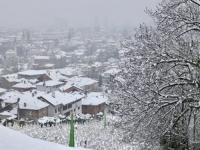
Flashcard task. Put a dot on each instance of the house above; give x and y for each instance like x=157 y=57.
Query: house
x=10 y=97
x=93 y=103
x=28 y=103
x=31 y=74
x=110 y=73
x=70 y=72
x=63 y=103
x=32 y=108
x=6 y=114
x=49 y=86
x=23 y=86
x=87 y=84
x=53 y=75
x=7 y=81
x=54 y=61
x=70 y=88
x=96 y=69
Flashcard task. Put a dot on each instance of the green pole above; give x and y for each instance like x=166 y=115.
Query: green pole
x=71 y=138
x=105 y=121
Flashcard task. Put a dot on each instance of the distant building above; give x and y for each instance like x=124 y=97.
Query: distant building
x=47 y=62
x=11 y=59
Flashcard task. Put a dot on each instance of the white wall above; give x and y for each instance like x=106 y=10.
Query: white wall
x=46 y=89
x=51 y=111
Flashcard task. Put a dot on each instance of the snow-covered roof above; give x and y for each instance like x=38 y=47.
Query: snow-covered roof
x=49 y=65
x=112 y=71
x=67 y=86
x=70 y=71
x=97 y=64
x=2 y=90
x=31 y=103
x=14 y=111
x=50 y=83
x=10 y=51
x=24 y=142
x=5 y=113
x=24 y=85
x=94 y=98
x=11 y=77
x=80 y=81
x=12 y=96
x=33 y=81
x=41 y=57
x=62 y=97
x=32 y=72
x=55 y=75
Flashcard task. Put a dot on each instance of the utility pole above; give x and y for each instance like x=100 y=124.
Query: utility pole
x=18 y=109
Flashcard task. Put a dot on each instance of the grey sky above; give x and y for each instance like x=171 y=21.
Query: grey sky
x=33 y=13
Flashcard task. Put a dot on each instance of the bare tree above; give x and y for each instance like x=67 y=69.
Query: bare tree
x=177 y=17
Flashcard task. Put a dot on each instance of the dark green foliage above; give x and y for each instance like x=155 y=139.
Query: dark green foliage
x=21 y=123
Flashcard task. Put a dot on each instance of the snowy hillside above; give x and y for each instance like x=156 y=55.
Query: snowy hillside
x=13 y=140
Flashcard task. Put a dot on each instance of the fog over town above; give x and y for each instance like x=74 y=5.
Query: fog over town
x=76 y=13
x=99 y=74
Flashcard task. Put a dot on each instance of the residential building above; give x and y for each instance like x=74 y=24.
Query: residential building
x=7 y=81
x=49 y=86
x=31 y=74
x=63 y=103
x=28 y=104
x=23 y=86
x=86 y=84
x=94 y=103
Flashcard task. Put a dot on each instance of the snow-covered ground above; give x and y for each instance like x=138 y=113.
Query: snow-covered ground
x=91 y=135
x=13 y=140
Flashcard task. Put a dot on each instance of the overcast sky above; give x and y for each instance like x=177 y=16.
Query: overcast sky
x=35 y=13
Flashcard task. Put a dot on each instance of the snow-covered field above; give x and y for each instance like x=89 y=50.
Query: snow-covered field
x=91 y=135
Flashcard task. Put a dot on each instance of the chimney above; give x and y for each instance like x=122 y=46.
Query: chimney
x=24 y=104
x=53 y=94
x=32 y=94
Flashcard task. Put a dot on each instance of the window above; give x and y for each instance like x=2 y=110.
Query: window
x=74 y=110
x=78 y=108
x=70 y=106
x=65 y=107
x=44 y=110
x=59 y=109
x=39 y=112
x=30 y=112
x=67 y=114
x=56 y=110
